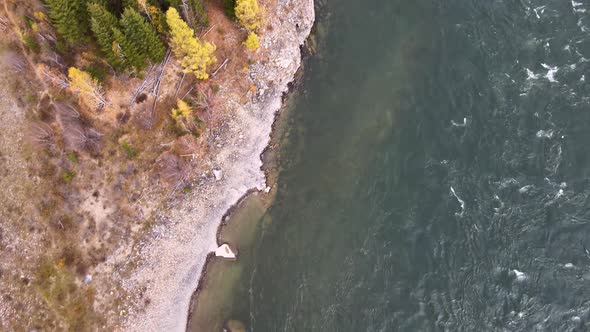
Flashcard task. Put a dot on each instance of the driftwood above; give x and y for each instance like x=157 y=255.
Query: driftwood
x=208 y=30
x=219 y=68
x=179 y=85
x=143 y=85
x=53 y=76
x=187 y=16
x=189 y=91
x=156 y=88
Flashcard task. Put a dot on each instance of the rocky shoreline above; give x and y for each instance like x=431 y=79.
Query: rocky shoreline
x=171 y=261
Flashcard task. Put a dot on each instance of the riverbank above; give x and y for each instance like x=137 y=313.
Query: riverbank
x=173 y=257
x=213 y=301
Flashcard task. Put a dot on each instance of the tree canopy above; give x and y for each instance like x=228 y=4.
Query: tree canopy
x=194 y=56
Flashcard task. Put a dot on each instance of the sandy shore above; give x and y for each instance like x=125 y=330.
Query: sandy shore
x=174 y=256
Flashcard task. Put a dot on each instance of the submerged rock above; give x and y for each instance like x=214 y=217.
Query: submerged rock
x=235 y=326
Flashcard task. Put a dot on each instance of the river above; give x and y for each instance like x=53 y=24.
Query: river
x=435 y=176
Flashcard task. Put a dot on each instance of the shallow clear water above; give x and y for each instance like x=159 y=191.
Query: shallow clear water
x=437 y=175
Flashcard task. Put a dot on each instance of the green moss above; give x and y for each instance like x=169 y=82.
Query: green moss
x=31 y=43
x=129 y=150
x=68 y=176
x=73 y=157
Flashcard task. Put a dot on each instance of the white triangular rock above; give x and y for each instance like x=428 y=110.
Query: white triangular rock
x=225 y=251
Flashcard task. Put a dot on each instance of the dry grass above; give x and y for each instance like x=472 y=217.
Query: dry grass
x=80 y=184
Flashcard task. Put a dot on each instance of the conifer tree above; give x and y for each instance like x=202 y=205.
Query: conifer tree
x=249 y=14
x=142 y=35
x=199 y=13
x=102 y=23
x=70 y=18
x=127 y=50
x=194 y=56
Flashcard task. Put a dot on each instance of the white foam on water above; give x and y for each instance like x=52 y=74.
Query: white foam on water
x=531 y=75
x=551 y=72
x=568 y=265
x=543 y=133
x=525 y=189
x=520 y=276
x=460 y=202
x=456 y=124
x=582 y=27
x=539 y=9
x=575 y=6
x=559 y=194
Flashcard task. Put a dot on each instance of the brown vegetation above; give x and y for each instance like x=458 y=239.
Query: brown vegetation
x=87 y=180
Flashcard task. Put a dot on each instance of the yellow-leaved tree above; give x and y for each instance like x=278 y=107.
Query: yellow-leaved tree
x=252 y=42
x=249 y=14
x=88 y=89
x=194 y=56
x=182 y=111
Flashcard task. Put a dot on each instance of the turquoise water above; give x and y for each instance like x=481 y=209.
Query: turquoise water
x=436 y=176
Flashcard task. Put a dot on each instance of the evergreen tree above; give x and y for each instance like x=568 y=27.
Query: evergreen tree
x=102 y=23
x=142 y=35
x=128 y=51
x=230 y=8
x=70 y=18
x=199 y=13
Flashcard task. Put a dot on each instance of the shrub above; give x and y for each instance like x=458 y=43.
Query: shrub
x=252 y=43
x=31 y=43
x=73 y=157
x=129 y=150
x=68 y=176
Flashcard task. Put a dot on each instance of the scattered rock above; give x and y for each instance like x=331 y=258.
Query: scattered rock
x=218 y=174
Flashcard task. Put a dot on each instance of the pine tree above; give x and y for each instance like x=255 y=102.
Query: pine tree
x=199 y=13
x=229 y=7
x=142 y=35
x=102 y=23
x=127 y=50
x=249 y=14
x=193 y=55
x=70 y=19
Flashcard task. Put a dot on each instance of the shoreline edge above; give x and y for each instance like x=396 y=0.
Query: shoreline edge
x=173 y=259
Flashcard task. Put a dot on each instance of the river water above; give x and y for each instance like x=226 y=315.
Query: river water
x=436 y=175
